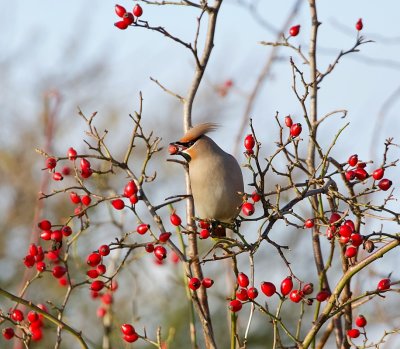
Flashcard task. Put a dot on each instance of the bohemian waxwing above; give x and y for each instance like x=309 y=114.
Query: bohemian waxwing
x=215 y=176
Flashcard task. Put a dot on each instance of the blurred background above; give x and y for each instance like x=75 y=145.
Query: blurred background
x=58 y=56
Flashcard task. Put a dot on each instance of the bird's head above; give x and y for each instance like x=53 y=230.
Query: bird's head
x=186 y=145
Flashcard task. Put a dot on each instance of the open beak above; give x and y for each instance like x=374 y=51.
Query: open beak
x=176 y=149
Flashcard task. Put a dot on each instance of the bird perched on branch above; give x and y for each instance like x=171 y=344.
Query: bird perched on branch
x=215 y=176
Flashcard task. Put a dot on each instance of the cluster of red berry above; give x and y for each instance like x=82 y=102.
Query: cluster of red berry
x=128 y=18
x=295 y=129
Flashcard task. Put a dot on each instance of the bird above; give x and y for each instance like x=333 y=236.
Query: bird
x=216 y=178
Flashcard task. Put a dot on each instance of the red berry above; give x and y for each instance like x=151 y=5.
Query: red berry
x=93 y=259
x=130 y=189
x=353 y=160
x=37 y=334
x=160 y=252
x=361 y=164
x=17 y=315
x=97 y=285
x=359 y=24
x=66 y=230
x=104 y=250
x=268 y=288
x=133 y=199
x=204 y=224
x=252 y=293
x=131 y=338
x=356 y=239
x=128 y=18
x=32 y=316
x=164 y=237
x=85 y=164
x=344 y=240
x=295 y=130
x=173 y=149
x=58 y=271
x=308 y=288
x=384 y=184
x=86 y=200
x=101 y=269
x=353 y=333
x=255 y=196
x=350 y=224
x=72 y=154
x=66 y=171
x=345 y=231
x=235 y=305
x=45 y=235
x=322 y=295
x=118 y=204
x=361 y=174
x=44 y=225
x=207 y=282
x=40 y=266
x=8 y=333
x=204 y=234
x=335 y=217
x=350 y=175
x=194 y=283
x=378 y=174
x=51 y=163
x=101 y=312
x=86 y=173
x=248 y=209
x=309 y=223
x=92 y=273
x=384 y=284
x=351 y=251
x=56 y=235
x=175 y=219
x=33 y=250
x=286 y=285
x=361 y=321
x=288 y=121
x=149 y=247
x=296 y=296
x=243 y=280
x=29 y=261
x=120 y=10
x=242 y=295
x=107 y=298
x=127 y=329
x=249 y=142
x=137 y=10
x=75 y=198
x=294 y=31
x=142 y=228
x=57 y=176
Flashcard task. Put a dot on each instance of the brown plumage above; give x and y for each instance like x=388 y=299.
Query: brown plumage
x=215 y=176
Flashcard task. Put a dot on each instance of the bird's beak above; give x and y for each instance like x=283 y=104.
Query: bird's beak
x=178 y=149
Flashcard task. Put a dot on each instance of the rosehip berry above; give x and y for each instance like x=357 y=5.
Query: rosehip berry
x=149 y=247
x=130 y=189
x=120 y=10
x=361 y=174
x=79 y=211
x=268 y=288
x=56 y=235
x=295 y=130
x=128 y=18
x=29 y=261
x=53 y=255
x=32 y=316
x=255 y=196
x=288 y=121
x=57 y=176
x=142 y=228
x=173 y=149
x=97 y=285
x=248 y=209
x=242 y=295
x=335 y=217
x=101 y=312
x=85 y=164
x=86 y=173
x=58 y=271
x=137 y=10
x=351 y=251
x=207 y=282
x=252 y=293
x=194 y=283
x=107 y=298
x=175 y=219
x=127 y=329
x=353 y=160
x=350 y=175
x=66 y=171
x=164 y=237
x=40 y=266
x=308 y=288
x=344 y=240
x=309 y=223
x=75 y=198
x=359 y=24
x=350 y=224
x=51 y=163
x=249 y=142
x=361 y=164
x=356 y=239
x=384 y=184
x=44 y=225
x=378 y=173
x=345 y=231
x=17 y=315
x=8 y=333
x=286 y=285
x=72 y=154
x=86 y=200
x=37 y=334
x=235 y=305
x=104 y=250
x=353 y=333
x=66 y=230
x=131 y=338
x=322 y=295
x=93 y=259
x=160 y=252
x=133 y=199
x=33 y=250
x=204 y=234
x=361 y=321
x=101 y=269
x=243 y=280
x=118 y=204
x=92 y=273
x=294 y=31
x=296 y=296
x=384 y=284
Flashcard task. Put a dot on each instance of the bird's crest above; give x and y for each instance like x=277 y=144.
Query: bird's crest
x=197 y=131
